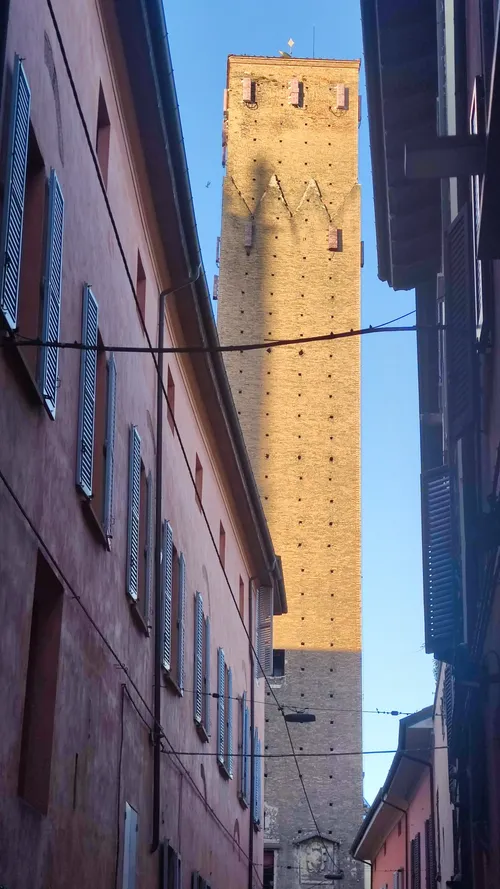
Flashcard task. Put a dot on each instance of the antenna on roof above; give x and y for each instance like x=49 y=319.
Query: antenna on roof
x=287 y=55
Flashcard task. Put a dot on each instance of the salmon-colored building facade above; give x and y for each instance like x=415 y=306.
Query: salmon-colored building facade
x=137 y=574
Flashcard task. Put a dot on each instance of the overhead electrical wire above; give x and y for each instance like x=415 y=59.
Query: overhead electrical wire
x=303 y=708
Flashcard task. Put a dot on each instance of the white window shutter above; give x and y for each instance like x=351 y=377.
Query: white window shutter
x=181 y=620
x=229 y=723
x=134 y=509
x=248 y=748
x=265 y=635
x=294 y=91
x=13 y=196
x=150 y=549
x=49 y=355
x=88 y=379
x=109 y=447
x=198 y=659
x=221 y=681
x=207 y=695
x=129 y=847
x=247 y=88
x=167 y=560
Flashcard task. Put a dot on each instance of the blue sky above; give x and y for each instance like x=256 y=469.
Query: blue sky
x=397 y=673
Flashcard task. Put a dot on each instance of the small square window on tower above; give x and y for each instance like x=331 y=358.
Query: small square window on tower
x=335 y=239
x=341 y=93
x=248 y=86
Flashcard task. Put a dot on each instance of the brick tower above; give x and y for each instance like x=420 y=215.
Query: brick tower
x=290 y=268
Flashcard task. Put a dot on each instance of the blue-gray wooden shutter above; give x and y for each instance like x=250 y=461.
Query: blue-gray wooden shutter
x=13 y=197
x=229 y=723
x=49 y=355
x=440 y=567
x=167 y=566
x=265 y=631
x=460 y=324
x=256 y=778
x=257 y=670
x=198 y=659
x=109 y=447
x=248 y=753
x=129 y=847
x=150 y=549
x=221 y=726
x=134 y=512
x=88 y=379
x=181 y=618
x=207 y=696
x=243 y=751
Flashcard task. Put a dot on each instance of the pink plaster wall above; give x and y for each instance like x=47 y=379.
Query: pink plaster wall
x=390 y=857
x=76 y=843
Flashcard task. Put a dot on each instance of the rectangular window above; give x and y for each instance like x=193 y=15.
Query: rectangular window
x=41 y=688
x=341 y=97
x=88 y=381
x=198 y=480
x=222 y=545
x=170 y=400
x=103 y=136
x=415 y=863
x=130 y=847
x=335 y=239
x=242 y=599
x=171 y=868
x=296 y=92
x=278 y=662
x=140 y=285
x=224 y=715
x=268 y=874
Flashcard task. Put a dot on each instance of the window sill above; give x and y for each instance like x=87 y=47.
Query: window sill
x=139 y=618
x=224 y=771
x=172 y=684
x=243 y=801
x=94 y=522
x=202 y=732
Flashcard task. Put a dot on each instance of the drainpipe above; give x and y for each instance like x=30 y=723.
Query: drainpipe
x=158 y=552
x=252 y=725
x=405 y=813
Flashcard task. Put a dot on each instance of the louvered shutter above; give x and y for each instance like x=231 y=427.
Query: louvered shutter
x=265 y=635
x=460 y=323
x=150 y=549
x=181 y=621
x=448 y=702
x=88 y=379
x=257 y=778
x=418 y=863
x=13 y=196
x=198 y=659
x=257 y=633
x=412 y=865
x=430 y=859
x=167 y=559
x=195 y=880
x=207 y=696
x=229 y=723
x=49 y=355
x=220 y=706
x=109 y=446
x=248 y=754
x=440 y=571
x=243 y=751
x=134 y=510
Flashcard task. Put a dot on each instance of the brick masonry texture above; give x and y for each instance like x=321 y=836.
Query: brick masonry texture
x=293 y=174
